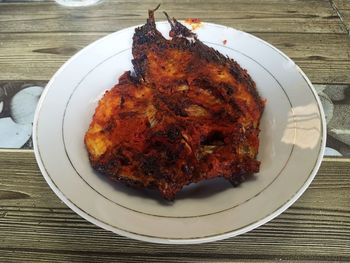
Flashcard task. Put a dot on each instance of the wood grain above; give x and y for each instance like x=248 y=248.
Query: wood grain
x=323 y=57
x=34 y=224
x=312 y=16
x=342 y=8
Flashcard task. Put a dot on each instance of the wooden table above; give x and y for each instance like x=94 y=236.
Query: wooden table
x=37 y=37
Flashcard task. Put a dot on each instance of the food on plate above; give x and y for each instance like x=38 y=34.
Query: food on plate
x=186 y=114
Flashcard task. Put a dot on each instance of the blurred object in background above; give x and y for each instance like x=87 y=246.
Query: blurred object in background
x=331 y=152
x=77 y=2
x=17 y=108
x=336 y=104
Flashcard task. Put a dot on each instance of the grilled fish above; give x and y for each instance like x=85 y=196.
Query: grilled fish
x=185 y=114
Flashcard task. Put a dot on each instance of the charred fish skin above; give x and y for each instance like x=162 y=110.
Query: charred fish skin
x=187 y=114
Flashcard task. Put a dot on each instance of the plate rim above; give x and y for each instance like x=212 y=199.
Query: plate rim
x=194 y=240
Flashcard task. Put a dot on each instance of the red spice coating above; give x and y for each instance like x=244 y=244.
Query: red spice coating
x=188 y=114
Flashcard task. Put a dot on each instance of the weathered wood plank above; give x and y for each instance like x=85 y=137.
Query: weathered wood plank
x=312 y=16
x=323 y=57
x=38 y=256
x=35 y=224
x=44 y=256
x=38 y=56
x=342 y=8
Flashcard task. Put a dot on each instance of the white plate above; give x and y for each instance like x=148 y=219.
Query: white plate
x=292 y=145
